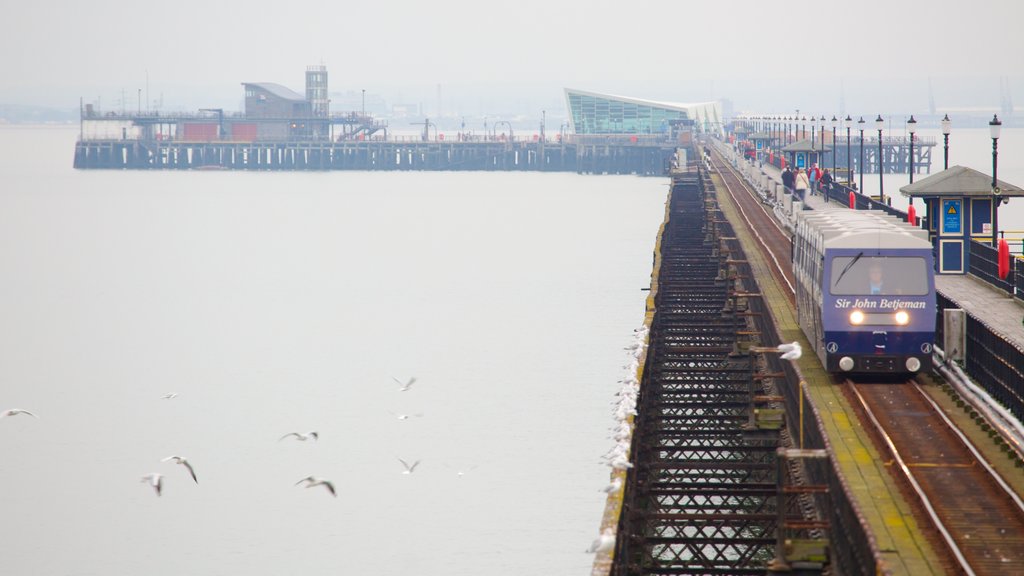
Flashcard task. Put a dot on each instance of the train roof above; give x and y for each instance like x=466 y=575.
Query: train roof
x=859 y=229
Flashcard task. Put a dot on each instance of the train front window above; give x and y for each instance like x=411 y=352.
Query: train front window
x=879 y=275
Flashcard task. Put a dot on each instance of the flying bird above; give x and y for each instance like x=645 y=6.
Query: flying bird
x=15 y=412
x=169 y=396
x=301 y=437
x=404 y=385
x=405 y=416
x=409 y=469
x=315 y=481
x=183 y=462
x=155 y=480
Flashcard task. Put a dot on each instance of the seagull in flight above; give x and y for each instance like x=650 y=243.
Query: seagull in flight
x=404 y=385
x=405 y=416
x=301 y=437
x=155 y=480
x=315 y=481
x=169 y=396
x=15 y=412
x=183 y=462
x=409 y=469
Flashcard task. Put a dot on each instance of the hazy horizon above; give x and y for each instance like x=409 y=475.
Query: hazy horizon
x=462 y=58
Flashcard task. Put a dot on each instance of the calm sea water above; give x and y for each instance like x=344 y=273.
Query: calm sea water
x=280 y=302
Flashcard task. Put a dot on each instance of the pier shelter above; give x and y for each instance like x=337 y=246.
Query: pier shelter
x=961 y=206
x=804 y=153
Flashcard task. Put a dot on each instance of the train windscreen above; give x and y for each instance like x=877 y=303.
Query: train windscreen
x=879 y=275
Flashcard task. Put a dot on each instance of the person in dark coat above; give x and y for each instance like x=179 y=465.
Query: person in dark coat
x=787 y=179
x=826 y=182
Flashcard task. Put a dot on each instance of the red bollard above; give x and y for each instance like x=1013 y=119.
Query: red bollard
x=912 y=215
x=853 y=200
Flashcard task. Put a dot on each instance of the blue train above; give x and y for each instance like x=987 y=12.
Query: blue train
x=865 y=291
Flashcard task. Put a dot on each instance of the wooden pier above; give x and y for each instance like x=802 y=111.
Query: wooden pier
x=592 y=155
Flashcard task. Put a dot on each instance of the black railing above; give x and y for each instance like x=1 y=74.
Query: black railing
x=1018 y=278
x=996 y=364
x=985 y=265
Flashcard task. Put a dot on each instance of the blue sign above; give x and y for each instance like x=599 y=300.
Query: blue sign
x=800 y=160
x=951 y=216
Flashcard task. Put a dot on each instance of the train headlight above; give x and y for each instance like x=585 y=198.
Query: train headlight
x=846 y=363
x=856 y=317
x=902 y=318
x=913 y=364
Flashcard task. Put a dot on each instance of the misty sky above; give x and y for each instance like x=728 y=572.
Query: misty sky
x=767 y=56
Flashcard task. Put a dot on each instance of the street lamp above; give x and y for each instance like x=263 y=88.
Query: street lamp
x=803 y=127
x=834 y=123
x=947 y=127
x=880 y=124
x=860 y=124
x=849 y=161
x=364 y=102
x=994 y=127
x=814 y=129
x=821 y=123
x=911 y=128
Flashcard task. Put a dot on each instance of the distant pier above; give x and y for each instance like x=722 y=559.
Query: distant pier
x=591 y=155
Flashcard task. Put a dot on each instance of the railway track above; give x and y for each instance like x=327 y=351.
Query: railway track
x=978 y=518
x=774 y=241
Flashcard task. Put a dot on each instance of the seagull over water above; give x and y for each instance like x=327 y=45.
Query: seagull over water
x=404 y=385
x=155 y=480
x=15 y=412
x=301 y=437
x=169 y=396
x=315 y=481
x=409 y=469
x=183 y=462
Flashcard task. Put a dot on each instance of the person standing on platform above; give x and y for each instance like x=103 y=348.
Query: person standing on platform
x=826 y=183
x=801 y=184
x=813 y=176
x=787 y=179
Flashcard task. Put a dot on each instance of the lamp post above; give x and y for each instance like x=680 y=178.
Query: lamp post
x=364 y=102
x=880 y=124
x=834 y=123
x=911 y=128
x=803 y=127
x=814 y=129
x=994 y=127
x=947 y=126
x=860 y=124
x=821 y=124
x=849 y=161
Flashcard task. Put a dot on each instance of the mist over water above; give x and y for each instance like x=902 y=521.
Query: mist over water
x=281 y=302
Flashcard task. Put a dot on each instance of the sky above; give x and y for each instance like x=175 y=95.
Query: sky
x=482 y=55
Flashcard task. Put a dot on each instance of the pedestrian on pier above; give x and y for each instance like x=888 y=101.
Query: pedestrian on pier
x=826 y=182
x=788 y=178
x=801 y=184
x=813 y=176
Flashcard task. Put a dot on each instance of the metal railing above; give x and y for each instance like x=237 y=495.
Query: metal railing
x=995 y=363
x=985 y=265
